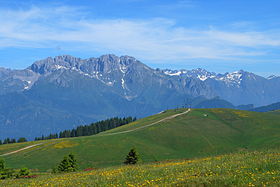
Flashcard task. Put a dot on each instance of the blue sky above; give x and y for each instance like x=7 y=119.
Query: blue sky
x=218 y=35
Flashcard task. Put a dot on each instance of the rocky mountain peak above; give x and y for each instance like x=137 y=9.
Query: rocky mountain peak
x=108 y=58
x=52 y=64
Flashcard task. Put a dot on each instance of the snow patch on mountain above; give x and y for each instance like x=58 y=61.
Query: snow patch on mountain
x=123 y=83
x=232 y=78
x=173 y=72
x=202 y=77
x=60 y=67
x=28 y=86
x=273 y=77
x=123 y=68
x=195 y=73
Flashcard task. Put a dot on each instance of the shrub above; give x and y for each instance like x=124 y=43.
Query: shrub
x=7 y=173
x=23 y=172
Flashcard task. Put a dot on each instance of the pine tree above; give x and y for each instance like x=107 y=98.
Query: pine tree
x=6 y=141
x=132 y=157
x=73 y=162
x=68 y=164
x=64 y=165
x=22 y=139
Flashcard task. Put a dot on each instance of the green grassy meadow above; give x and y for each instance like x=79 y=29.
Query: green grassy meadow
x=239 y=169
x=199 y=133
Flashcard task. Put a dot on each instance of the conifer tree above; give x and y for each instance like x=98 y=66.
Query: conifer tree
x=22 y=139
x=68 y=164
x=73 y=162
x=6 y=141
x=132 y=157
x=64 y=165
x=13 y=140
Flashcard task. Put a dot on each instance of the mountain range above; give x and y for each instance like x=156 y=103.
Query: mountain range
x=271 y=107
x=59 y=93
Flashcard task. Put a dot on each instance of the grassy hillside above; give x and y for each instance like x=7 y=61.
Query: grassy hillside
x=239 y=169
x=199 y=133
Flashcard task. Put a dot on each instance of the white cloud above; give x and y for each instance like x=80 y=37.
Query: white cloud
x=155 y=39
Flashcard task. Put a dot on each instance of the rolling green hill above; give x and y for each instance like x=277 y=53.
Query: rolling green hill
x=198 y=133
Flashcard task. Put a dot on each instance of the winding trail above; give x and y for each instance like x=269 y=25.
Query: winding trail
x=149 y=125
x=108 y=134
x=22 y=149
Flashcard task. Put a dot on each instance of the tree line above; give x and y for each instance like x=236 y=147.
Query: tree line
x=12 y=140
x=87 y=130
x=83 y=130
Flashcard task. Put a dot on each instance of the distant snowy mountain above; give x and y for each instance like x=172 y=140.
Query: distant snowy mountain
x=58 y=93
x=273 y=77
x=199 y=73
x=233 y=78
x=239 y=87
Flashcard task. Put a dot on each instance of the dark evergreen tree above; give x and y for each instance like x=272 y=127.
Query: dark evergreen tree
x=6 y=141
x=13 y=140
x=132 y=157
x=64 y=165
x=73 y=162
x=22 y=139
x=68 y=164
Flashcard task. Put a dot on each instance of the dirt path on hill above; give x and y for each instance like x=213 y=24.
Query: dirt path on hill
x=22 y=149
x=149 y=125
